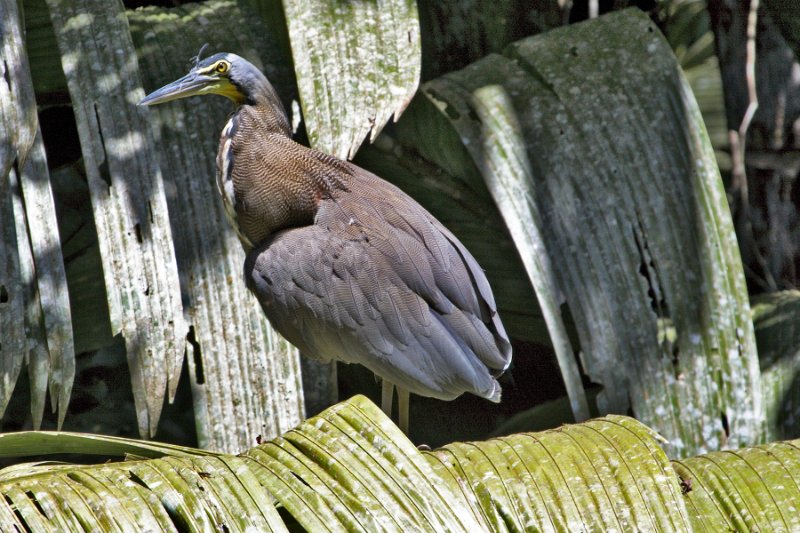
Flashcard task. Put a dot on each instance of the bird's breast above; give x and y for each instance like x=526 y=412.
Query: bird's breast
x=225 y=186
x=268 y=182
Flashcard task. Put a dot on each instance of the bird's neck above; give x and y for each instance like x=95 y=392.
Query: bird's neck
x=267 y=104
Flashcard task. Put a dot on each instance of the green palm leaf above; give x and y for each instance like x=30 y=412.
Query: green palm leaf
x=351 y=469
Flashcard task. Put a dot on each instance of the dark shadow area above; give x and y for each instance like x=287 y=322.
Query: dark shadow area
x=101 y=399
x=102 y=403
x=177 y=422
x=763 y=192
x=533 y=379
x=60 y=135
x=787 y=409
x=82 y=262
x=778 y=338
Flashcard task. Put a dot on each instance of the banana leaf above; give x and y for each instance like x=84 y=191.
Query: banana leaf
x=130 y=220
x=351 y=469
x=15 y=144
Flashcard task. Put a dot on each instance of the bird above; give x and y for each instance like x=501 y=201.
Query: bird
x=345 y=265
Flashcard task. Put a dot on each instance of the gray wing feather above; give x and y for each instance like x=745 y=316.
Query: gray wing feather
x=394 y=332
x=379 y=281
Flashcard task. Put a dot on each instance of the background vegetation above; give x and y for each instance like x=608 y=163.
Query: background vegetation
x=625 y=289
x=629 y=183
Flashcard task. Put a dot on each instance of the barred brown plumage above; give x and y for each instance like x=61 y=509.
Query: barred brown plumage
x=345 y=265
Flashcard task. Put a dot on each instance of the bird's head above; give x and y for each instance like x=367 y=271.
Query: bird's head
x=225 y=74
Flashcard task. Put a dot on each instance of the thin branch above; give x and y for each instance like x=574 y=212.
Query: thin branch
x=739 y=137
x=750 y=69
x=738 y=145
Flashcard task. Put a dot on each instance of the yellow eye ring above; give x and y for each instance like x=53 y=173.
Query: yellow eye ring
x=221 y=67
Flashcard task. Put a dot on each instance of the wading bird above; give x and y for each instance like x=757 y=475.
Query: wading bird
x=345 y=265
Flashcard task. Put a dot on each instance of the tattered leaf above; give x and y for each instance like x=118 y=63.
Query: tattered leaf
x=51 y=279
x=35 y=322
x=357 y=64
x=17 y=104
x=13 y=100
x=241 y=370
x=128 y=197
x=349 y=468
x=36 y=355
x=22 y=443
x=591 y=143
x=352 y=467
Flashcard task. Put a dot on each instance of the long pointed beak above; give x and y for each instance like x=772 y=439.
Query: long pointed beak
x=189 y=85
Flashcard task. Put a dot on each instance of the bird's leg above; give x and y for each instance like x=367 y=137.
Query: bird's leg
x=402 y=406
x=387 y=392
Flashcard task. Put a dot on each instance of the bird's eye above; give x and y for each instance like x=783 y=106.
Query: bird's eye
x=221 y=67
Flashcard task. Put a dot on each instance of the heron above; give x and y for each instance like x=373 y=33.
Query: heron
x=346 y=266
